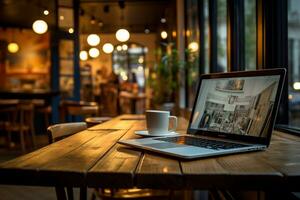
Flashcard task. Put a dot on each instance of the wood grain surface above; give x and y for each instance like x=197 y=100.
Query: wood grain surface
x=94 y=158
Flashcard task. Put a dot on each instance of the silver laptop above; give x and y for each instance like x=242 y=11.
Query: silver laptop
x=233 y=112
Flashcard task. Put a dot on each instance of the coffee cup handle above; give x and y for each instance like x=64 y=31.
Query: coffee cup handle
x=174 y=124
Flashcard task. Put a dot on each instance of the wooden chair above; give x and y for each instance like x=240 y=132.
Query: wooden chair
x=58 y=132
x=82 y=109
x=22 y=122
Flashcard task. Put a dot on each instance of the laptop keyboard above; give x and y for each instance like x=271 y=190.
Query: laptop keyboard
x=201 y=142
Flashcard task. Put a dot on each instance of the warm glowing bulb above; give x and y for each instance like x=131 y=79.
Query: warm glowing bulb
x=71 y=30
x=141 y=60
x=93 y=39
x=174 y=33
x=40 y=26
x=122 y=35
x=296 y=85
x=46 y=12
x=108 y=48
x=140 y=68
x=83 y=55
x=193 y=46
x=124 y=47
x=119 y=48
x=94 y=52
x=13 y=47
x=164 y=34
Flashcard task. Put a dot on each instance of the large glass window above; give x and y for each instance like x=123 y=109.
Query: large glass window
x=192 y=52
x=294 y=61
x=206 y=38
x=222 y=35
x=250 y=34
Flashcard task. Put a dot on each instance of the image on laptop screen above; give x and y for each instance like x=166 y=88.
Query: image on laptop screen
x=240 y=105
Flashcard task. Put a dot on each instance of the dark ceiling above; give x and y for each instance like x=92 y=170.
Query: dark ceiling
x=107 y=14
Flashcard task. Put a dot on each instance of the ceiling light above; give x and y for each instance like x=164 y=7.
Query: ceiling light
x=100 y=23
x=141 y=59
x=124 y=47
x=83 y=55
x=40 y=26
x=94 y=52
x=71 y=30
x=93 y=20
x=122 y=35
x=193 y=46
x=296 y=85
x=164 y=34
x=61 y=17
x=93 y=39
x=119 y=48
x=174 y=33
x=13 y=47
x=108 y=48
x=163 y=20
x=140 y=68
x=46 y=12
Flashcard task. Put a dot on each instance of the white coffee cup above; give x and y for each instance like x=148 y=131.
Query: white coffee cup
x=158 y=122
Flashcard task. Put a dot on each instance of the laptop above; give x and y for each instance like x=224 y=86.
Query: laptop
x=232 y=113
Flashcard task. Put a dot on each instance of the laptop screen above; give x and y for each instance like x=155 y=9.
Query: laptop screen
x=239 y=105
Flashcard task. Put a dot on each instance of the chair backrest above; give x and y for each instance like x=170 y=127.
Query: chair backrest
x=59 y=131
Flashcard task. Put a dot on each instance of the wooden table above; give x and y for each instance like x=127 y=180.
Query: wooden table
x=93 y=158
x=133 y=98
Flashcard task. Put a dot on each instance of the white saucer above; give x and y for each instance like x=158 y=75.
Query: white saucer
x=145 y=133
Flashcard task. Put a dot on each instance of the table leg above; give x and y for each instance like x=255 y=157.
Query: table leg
x=83 y=193
x=70 y=193
x=60 y=193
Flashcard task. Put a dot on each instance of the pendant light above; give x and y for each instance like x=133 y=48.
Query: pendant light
x=93 y=39
x=108 y=48
x=122 y=34
x=94 y=52
x=13 y=47
x=40 y=26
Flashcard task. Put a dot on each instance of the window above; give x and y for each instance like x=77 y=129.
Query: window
x=192 y=52
x=250 y=34
x=222 y=35
x=294 y=61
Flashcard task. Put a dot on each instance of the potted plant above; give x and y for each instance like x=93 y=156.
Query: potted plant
x=164 y=77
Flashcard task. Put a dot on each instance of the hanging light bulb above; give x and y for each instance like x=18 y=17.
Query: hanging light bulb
x=119 y=48
x=40 y=26
x=164 y=34
x=108 y=48
x=122 y=35
x=94 y=52
x=83 y=55
x=13 y=47
x=193 y=46
x=46 y=12
x=93 y=39
x=124 y=47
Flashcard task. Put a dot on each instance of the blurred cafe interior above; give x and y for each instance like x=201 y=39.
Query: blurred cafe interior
x=92 y=60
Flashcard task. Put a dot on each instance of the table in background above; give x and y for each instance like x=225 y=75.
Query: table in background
x=93 y=158
x=133 y=98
